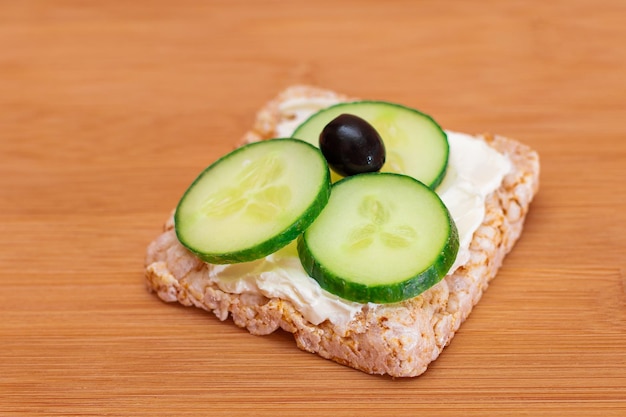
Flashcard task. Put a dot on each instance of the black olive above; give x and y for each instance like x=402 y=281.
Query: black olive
x=352 y=146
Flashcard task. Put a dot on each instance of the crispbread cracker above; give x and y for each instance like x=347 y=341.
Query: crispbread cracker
x=398 y=339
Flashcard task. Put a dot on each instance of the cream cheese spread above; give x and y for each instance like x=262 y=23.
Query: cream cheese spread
x=474 y=171
x=297 y=110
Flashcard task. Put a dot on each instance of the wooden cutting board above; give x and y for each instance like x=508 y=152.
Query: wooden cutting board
x=109 y=109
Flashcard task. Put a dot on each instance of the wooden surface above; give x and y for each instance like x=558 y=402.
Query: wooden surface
x=109 y=109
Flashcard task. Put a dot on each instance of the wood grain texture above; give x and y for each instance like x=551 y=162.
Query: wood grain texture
x=109 y=109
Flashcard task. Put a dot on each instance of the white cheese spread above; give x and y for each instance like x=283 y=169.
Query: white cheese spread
x=474 y=171
x=297 y=110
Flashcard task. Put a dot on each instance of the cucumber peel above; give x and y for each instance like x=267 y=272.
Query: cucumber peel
x=376 y=237
x=382 y=238
x=415 y=144
x=253 y=201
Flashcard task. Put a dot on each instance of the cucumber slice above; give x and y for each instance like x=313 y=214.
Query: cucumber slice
x=382 y=238
x=415 y=144
x=253 y=201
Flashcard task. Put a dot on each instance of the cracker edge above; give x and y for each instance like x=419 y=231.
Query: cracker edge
x=400 y=340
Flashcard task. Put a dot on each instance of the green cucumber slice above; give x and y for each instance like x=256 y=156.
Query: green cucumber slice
x=253 y=201
x=415 y=144
x=382 y=238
